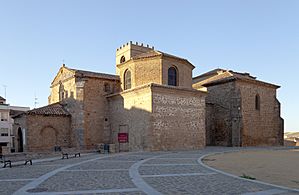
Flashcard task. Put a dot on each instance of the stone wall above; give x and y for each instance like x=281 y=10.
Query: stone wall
x=64 y=80
x=184 y=71
x=155 y=70
x=210 y=125
x=43 y=133
x=264 y=126
x=86 y=103
x=129 y=50
x=130 y=112
x=178 y=118
x=223 y=109
x=76 y=108
x=159 y=118
x=143 y=71
x=95 y=108
x=148 y=71
x=121 y=68
x=233 y=120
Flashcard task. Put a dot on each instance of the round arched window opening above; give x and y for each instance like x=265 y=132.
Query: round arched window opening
x=172 y=76
x=127 y=79
x=122 y=59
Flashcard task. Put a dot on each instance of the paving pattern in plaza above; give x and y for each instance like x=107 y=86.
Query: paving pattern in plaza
x=128 y=173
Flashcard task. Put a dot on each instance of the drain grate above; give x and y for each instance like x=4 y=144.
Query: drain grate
x=35 y=190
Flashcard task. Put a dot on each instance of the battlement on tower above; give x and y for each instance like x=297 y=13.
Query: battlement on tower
x=130 y=49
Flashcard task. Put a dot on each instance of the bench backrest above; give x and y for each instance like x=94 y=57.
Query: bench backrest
x=16 y=157
x=69 y=150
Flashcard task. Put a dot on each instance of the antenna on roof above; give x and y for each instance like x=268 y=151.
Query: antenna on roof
x=35 y=100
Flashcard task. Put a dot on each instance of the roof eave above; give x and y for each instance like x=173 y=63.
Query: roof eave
x=222 y=81
x=259 y=82
x=178 y=58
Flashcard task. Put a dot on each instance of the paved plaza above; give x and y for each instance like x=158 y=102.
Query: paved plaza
x=129 y=173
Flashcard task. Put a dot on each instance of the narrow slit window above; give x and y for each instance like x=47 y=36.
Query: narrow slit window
x=257 y=102
x=106 y=87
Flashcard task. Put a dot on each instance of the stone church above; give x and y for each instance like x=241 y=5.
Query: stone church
x=153 y=103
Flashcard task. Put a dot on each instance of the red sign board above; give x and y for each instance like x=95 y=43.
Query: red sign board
x=123 y=137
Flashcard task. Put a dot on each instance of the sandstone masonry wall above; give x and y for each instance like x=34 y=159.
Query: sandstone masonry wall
x=148 y=71
x=233 y=120
x=121 y=68
x=159 y=118
x=178 y=119
x=224 y=101
x=67 y=79
x=129 y=112
x=264 y=126
x=184 y=72
x=43 y=133
x=95 y=108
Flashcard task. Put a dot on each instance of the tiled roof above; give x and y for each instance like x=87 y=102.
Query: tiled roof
x=218 y=76
x=1 y=98
x=154 y=53
x=208 y=74
x=55 y=109
x=95 y=74
x=149 y=54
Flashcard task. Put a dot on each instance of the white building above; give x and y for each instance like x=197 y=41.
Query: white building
x=7 y=137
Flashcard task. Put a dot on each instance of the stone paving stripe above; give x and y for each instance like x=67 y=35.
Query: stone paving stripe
x=178 y=158
x=98 y=170
x=49 y=165
x=137 y=178
x=133 y=161
x=9 y=180
x=149 y=165
x=179 y=175
x=41 y=179
x=89 y=191
x=266 y=192
x=199 y=160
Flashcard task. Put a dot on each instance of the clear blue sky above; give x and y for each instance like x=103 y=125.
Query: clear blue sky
x=260 y=37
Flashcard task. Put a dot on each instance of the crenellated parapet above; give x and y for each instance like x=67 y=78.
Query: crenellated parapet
x=130 y=43
x=130 y=49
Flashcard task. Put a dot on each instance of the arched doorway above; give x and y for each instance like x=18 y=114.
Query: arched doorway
x=20 y=140
x=48 y=138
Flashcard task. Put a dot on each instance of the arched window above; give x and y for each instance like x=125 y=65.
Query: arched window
x=172 y=76
x=122 y=59
x=127 y=79
x=257 y=102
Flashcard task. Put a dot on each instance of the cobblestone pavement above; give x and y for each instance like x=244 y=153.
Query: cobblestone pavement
x=129 y=173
